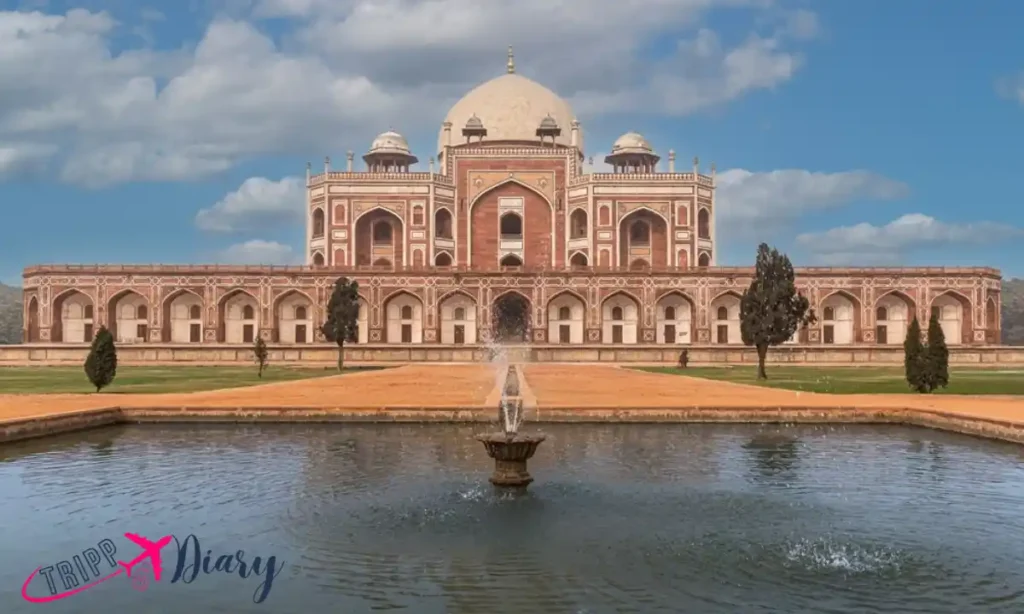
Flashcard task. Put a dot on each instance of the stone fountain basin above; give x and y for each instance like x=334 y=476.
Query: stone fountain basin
x=518 y=447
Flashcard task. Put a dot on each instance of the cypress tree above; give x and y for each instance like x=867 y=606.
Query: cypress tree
x=913 y=358
x=101 y=364
x=937 y=354
x=771 y=309
x=342 y=316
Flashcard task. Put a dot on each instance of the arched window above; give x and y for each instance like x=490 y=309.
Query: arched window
x=460 y=313
x=881 y=314
x=578 y=260
x=616 y=313
x=578 y=224
x=406 y=312
x=443 y=259
x=703 y=224
x=194 y=313
x=142 y=313
x=381 y=262
x=318 y=259
x=417 y=215
x=564 y=313
x=828 y=314
x=442 y=224
x=670 y=313
x=723 y=313
x=248 y=312
x=300 y=312
x=382 y=232
x=638 y=265
x=704 y=260
x=511 y=260
x=640 y=233
x=318 y=223
x=511 y=226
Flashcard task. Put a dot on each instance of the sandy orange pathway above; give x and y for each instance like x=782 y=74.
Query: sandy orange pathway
x=440 y=386
x=597 y=386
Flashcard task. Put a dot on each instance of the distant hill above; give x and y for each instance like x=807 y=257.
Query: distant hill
x=10 y=314
x=1013 y=313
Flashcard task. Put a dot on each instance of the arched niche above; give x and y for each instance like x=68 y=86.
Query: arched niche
x=510 y=318
x=318 y=259
x=73 y=318
x=578 y=224
x=578 y=261
x=32 y=321
x=403 y=318
x=620 y=318
x=128 y=317
x=674 y=317
x=363 y=322
x=893 y=313
x=443 y=226
x=239 y=314
x=643 y=236
x=457 y=314
x=318 y=223
x=183 y=317
x=510 y=225
x=295 y=323
x=703 y=224
x=511 y=260
x=442 y=259
x=724 y=314
x=567 y=313
x=839 y=316
x=954 y=311
x=379 y=235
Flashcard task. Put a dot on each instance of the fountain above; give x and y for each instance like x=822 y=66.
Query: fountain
x=510 y=449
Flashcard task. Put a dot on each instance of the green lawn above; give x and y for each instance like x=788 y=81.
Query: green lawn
x=858 y=380
x=140 y=379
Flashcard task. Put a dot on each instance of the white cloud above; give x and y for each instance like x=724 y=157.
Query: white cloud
x=1012 y=87
x=257 y=203
x=869 y=244
x=258 y=251
x=754 y=201
x=19 y=158
x=346 y=70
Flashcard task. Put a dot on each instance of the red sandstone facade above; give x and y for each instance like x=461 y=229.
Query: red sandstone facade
x=509 y=238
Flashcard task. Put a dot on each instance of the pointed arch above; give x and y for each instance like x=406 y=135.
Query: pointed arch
x=366 y=248
x=511 y=225
x=318 y=259
x=444 y=223
x=955 y=313
x=578 y=259
x=75 y=324
x=507 y=181
x=233 y=326
x=181 y=321
x=840 y=323
x=674 y=316
x=703 y=223
x=443 y=258
x=724 y=318
x=32 y=320
x=893 y=312
x=511 y=316
x=457 y=317
x=578 y=223
x=294 y=325
x=403 y=317
x=511 y=260
x=130 y=321
x=620 y=317
x=992 y=319
x=319 y=224
x=562 y=329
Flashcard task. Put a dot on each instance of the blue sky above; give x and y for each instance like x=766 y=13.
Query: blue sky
x=868 y=132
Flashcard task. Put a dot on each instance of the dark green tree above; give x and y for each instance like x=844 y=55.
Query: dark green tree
x=914 y=364
x=771 y=309
x=937 y=354
x=101 y=364
x=259 y=354
x=342 y=316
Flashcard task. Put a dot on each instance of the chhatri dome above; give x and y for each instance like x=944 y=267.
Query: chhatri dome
x=511 y=107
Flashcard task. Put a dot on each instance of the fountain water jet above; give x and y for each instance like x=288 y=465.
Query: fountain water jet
x=510 y=449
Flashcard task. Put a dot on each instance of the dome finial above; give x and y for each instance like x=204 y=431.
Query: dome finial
x=511 y=61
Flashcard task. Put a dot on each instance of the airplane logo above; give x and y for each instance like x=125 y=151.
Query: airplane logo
x=150 y=552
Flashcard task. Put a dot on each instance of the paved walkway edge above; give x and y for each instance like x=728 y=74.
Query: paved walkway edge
x=41 y=426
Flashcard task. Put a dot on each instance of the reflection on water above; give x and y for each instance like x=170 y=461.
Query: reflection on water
x=622 y=518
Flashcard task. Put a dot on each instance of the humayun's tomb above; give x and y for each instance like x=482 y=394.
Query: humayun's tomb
x=505 y=237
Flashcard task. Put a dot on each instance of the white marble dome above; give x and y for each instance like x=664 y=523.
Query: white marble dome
x=389 y=142
x=631 y=143
x=510 y=107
